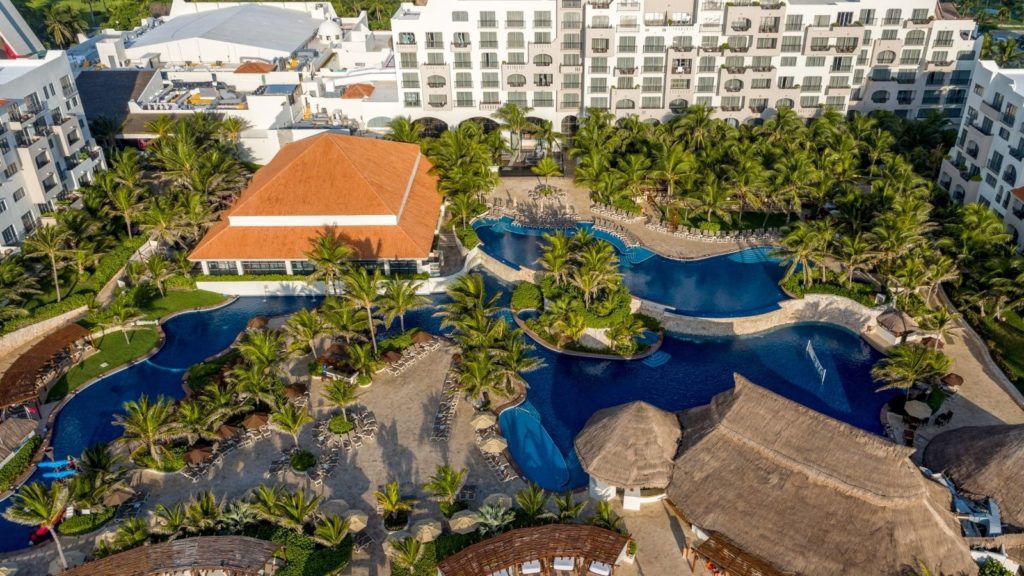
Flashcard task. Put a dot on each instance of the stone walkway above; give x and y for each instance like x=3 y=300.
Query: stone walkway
x=659 y=541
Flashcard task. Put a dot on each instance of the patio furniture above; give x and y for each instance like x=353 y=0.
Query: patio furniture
x=531 y=567
x=600 y=568
x=564 y=564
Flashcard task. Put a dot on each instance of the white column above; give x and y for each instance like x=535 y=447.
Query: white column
x=601 y=491
x=387 y=268
x=631 y=499
x=238 y=267
x=288 y=267
x=205 y=266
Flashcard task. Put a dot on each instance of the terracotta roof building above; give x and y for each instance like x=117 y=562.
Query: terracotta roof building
x=377 y=196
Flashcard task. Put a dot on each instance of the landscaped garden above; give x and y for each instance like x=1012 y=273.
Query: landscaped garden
x=114 y=349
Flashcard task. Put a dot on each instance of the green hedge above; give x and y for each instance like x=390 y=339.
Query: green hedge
x=467 y=236
x=303 y=556
x=180 y=282
x=527 y=295
x=49 y=311
x=340 y=425
x=858 y=292
x=78 y=525
x=112 y=262
x=16 y=465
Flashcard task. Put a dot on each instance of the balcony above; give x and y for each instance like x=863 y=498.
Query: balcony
x=413 y=104
x=50 y=185
x=599 y=49
x=979 y=129
x=436 y=84
x=654 y=48
x=438 y=103
x=820 y=48
x=682 y=70
x=571 y=45
x=459 y=45
x=757 y=109
x=676 y=48
x=846 y=49
x=930 y=100
x=991 y=109
x=542 y=23
x=570 y=85
x=1017 y=153
x=571 y=3
x=891 y=22
x=774 y=29
x=943 y=43
x=739 y=49
x=487 y=23
x=543 y=103
x=464 y=104
x=25 y=140
x=42 y=160
x=1008 y=119
x=515 y=23
x=598 y=69
x=741 y=26
x=435 y=45
x=625 y=71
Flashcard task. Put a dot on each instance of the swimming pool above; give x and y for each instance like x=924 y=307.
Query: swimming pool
x=568 y=390
x=744 y=283
x=87 y=419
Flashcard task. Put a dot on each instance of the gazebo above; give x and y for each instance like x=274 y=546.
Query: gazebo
x=765 y=486
x=630 y=446
x=896 y=325
x=984 y=462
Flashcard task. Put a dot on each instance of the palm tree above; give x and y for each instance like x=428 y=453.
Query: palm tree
x=36 y=504
x=798 y=250
x=328 y=255
x=532 y=500
x=943 y=322
x=672 y=165
x=62 y=24
x=361 y=290
x=478 y=375
x=392 y=502
x=304 y=327
x=713 y=200
x=343 y=319
x=163 y=220
x=341 y=394
x=908 y=364
x=467 y=293
x=446 y=483
x=399 y=297
x=331 y=531
x=855 y=253
x=514 y=360
x=747 y=177
x=568 y=509
x=546 y=168
x=194 y=420
x=253 y=383
x=556 y=258
x=147 y=423
x=290 y=419
x=634 y=172
x=463 y=207
x=545 y=132
x=404 y=129
x=493 y=519
x=125 y=201
x=203 y=513
x=158 y=269
x=262 y=349
x=623 y=334
x=162 y=126
x=407 y=552
x=1007 y=53
x=264 y=501
x=131 y=533
x=49 y=242
x=362 y=359
x=294 y=509
x=513 y=119
x=605 y=517
x=238 y=515
x=170 y=521
x=15 y=283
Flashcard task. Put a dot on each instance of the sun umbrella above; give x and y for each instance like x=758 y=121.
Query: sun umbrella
x=498 y=499
x=257 y=323
x=74 y=558
x=336 y=506
x=226 y=431
x=483 y=420
x=294 y=391
x=917 y=409
x=388 y=545
x=426 y=530
x=463 y=522
x=953 y=380
x=391 y=356
x=198 y=454
x=494 y=445
x=256 y=420
x=117 y=497
x=356 y=520
x=421 y=337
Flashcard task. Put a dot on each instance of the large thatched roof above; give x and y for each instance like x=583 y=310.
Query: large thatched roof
x=897 y=322
x=984 y=461
x=808 y=494
x=630 y=446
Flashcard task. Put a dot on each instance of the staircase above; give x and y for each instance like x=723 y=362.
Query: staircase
x=657 y=360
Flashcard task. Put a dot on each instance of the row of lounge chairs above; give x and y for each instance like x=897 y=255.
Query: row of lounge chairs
x=364 y=428
x=445 y=416
x=761 y=235
x=410 y=355
x=498 y=463
x=616 y=214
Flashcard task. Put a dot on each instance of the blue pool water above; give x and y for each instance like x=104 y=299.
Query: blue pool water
x=739 y=284
x=87 y=419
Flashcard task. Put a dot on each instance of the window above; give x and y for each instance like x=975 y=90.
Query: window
x=540 y=37
x=488 y=39
x=654 y=44
x=435 y=58
x=599 y=102
x=837 y=102
x=571 y=59
x=598 y=84
x=543 y=99
x=406 y=38
x=940 y=56
x=408 y=60
x=809 y=102
x=707 y=64
x=893 y=16
x=650 y=102
x=517 y=98
x=905 y=97
x=910 y=58
x=19 y=194
x=680 y=84
x=515 y=40
x=919 y=15
x=437 y=100
x=516 y=81
x=411 y=99
x=10 y=236
x=28 y=221
x=792 y=43
x=651 y=85
x=263 y=267
x=490 y=98
x=514 y=19
x=571 y=101
x=463 y=80
x=435 y=40
x=3 y=206
x=839 y=82
x=844 y=18
x=760 y=84
x=794 y=23
x=654 y=64
x=867 y=17
x=886 y=57
x=464 y=99
x=488 y=20
x=786 y=82
x=542 y=19
x=599 y=45
x=944 y=39
x=811 y=84
x=516 y=58
x=890 y=34
x=543 y=79
x=880 y=97
x=813 y=61
x=627 y=44
x=460 y=16
x=822 y=20
x=705 y=85
x=624 y=83
x=436 y=81
x=461 y=39
x=914 y=38
x=732 y=103
x=758 y=104
x=463 y=60
x=766 y=43
x=787 y=61
x=570 y=81
x=489 y=60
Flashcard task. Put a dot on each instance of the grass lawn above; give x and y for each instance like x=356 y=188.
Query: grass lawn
x=113 y=352
x=175 y=301
x=1008 y=340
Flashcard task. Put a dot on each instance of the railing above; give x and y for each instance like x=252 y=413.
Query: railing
x=465 y=44
x=434 y=44
x=654 y=48
x=571 y=45
x=943 y=43
x=759 y=108
x=843 y=49
x=891 y=22
x=740 y=26
x=488 y=43
x=625 y=71
x=413 y=103
x=543 y=103
x=769 y=29
x=820 y=47
x=515 y=23
x=487 y=23
x=542 y=23
x=436 y=84
x=1017 y=153
x=653 y=69
x=598 y=69
x=570 y=85
x=1008 y=119
x=464 y=104
x=438 y=103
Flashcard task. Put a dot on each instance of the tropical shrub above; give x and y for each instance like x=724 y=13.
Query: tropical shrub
x=340 y=425
x=992 y=567
x=18 y=463
x=527 y=295
x=304 y=557
x=302 y=460
x=83 y=524
x=48 y=311
x=112 y=262
x=467 y=237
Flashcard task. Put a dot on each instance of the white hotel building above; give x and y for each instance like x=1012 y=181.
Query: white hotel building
x=987 y=163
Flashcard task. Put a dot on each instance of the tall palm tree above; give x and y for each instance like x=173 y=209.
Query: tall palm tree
x=550 y=139
x=119 y=312
x=163 y=220
x=62 y=24
x=344 y=320
x=713 y=201
x=513 y=120
x=341 y=394
x=290 y=419
x=463 y=207
x=304 y=327
x=36 y=504
x=361 y=289
x=328 y=255
x=446 y=483
x=147 y=423
x=514 y=360
x=262 y=349
x=556 y=258
x=478 y=375
x=908 y=364
x=158 y=269
x=49 y=242
x=404 y=129
x=855 y=253
x=400 y=296
x=1007 y=53
x=331 y=531
x=672 y=165
x=264 y=501
x=546 y=168
x=799 y=248
x=15 y=283
x=467 y=294
x=295 y=509
x=392 y=502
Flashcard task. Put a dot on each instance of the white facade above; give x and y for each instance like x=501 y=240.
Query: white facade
x=47 y=151
x=987 y=163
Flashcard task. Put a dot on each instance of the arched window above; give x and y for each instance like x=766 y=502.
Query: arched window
x=436 y=81
x=732 y=122
x=915 y=38
x=886 y=57
x=625 y=104
x=516 y=80
x=784 y=103
x=678 y=106
x=378 y=122
x=542 y=60
x=880 y=97
x=733 y=85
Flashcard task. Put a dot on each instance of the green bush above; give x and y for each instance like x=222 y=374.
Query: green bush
x=708 y=226
x=527 y=295
x=172 y=459
x=992 y=567
x=340 y=425
x=180 y=282
x=200 y=374
x=303 y=556
x=48 y=311
x=858 y=292
x=83 y=524
x=398 y=342
x=302 y=460
x=112 y=262
x=467 y=237
x=650 y=322
x=18 y=463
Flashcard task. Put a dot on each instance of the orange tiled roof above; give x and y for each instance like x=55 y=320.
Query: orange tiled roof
x=330 y=174
x=254 y=68
x=358 y=91
x=1018 y=193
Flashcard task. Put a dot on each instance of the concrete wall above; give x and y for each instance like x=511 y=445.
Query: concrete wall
x=23 y=336
x=506 y=272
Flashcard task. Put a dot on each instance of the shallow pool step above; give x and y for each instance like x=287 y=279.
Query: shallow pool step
x=638 y=255
x=657 y=359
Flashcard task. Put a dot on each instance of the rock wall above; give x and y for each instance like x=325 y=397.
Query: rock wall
x=506 y=272
x=32 y=332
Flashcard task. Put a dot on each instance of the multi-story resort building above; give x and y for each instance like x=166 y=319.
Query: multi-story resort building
x=46 y=149
x=987 y=163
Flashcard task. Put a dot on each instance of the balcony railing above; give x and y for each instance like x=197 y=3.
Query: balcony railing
x=943 y=43
x=769 y=29
x=891 y=22
x=463 y=44
x=435 y=44
x=758 y=108
x=625 y=71
x=1018 y=153
x=488 y=23
x=515 y=23
x=653 y=69
x=740 y=26
x=598 y=69
x=438 y=103
x=571 y=45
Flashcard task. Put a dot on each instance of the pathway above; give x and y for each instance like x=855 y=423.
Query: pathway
x=659 y=539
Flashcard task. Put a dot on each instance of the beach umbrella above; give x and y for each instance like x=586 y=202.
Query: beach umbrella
x=335 y=506
x=294 y=391
x=74 y=558
x=117 y=497
x=918 y=409
x=494 y=445
x=498 y=499
x=953 y=380
x=391 y=356
x=256 y=420
x=356 y=520
x=463 y=522
x=198 y=454
x=388 y=545
x=227 y=431
x=257 y=323
x=427 y=530
x=483 y=420
x=421 y=337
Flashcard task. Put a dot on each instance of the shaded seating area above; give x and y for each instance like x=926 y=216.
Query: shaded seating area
x=201 y=556
x=764 y=486
x=561 y=549
x=13 y=434
x=897 y=326
x=29 y=375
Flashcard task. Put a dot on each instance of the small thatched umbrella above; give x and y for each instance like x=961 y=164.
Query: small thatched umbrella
x=118 y=496
x=389 y=542
x=294 y=391
x=198 y=454
x=897 y=322
x=335 y=506
x=257 y=323
x=335 y=354
x=356 y=520
x=463 y=522
x=227 y=431
x=983 y=461
x=494 y=445
x=630 y=446
x=953 y=380
x=932 y=342
x=256 y=420
x=917 y=409
x=483 y=420
x=427 y=530
x=391 y=356
x=421 y=337
x=498 y=499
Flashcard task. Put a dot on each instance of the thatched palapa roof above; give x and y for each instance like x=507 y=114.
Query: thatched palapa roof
x=630 y=446
x=897 y=322
x=984 y=461
x=236 y=555
x=13 y=433
x=807 y=494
